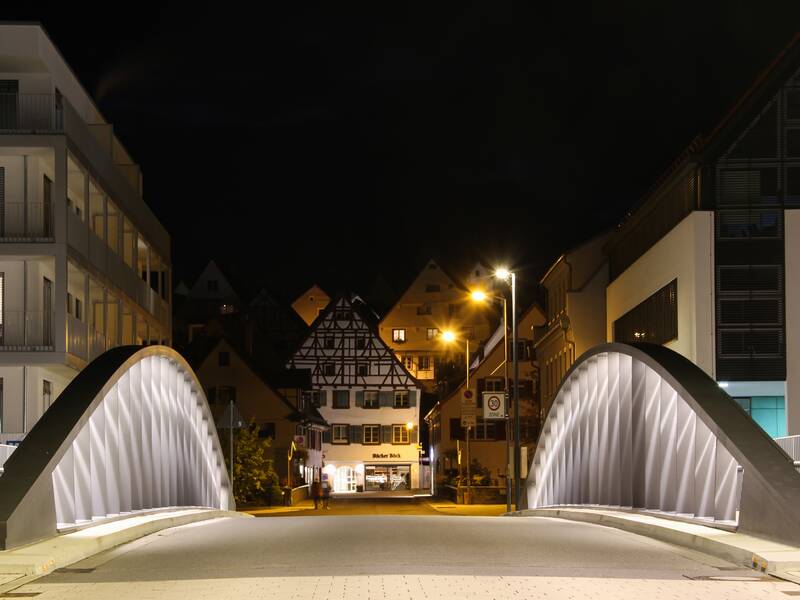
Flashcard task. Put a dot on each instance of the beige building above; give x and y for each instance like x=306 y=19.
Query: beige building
x=281 y=408
x=434 y=302
x=575 y=285
x=311 y=303
x=84 y=263
x=487 y=440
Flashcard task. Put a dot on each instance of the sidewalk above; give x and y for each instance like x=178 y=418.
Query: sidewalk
x=23 y=564
x=772 y=558
x=468 y=510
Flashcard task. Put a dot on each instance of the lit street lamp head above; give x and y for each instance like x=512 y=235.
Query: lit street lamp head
x=448 y=336
x=409 y=426
x=478 y=296
x=502 y=273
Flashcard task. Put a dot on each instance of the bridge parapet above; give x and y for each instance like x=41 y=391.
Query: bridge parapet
x=641 y=427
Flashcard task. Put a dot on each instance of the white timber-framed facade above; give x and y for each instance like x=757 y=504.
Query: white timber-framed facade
x=368 y=398
x=84 y=264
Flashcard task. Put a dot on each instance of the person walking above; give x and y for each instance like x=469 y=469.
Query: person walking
x=316 y=493
x=326 y=494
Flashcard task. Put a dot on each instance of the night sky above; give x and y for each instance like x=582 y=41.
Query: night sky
x=346 y=142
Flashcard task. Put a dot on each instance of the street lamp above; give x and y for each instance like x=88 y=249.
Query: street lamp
x=481 y=296
x=449 y=337
x=504 y=274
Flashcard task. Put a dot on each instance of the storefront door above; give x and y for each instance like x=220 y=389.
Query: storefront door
x=345 y=480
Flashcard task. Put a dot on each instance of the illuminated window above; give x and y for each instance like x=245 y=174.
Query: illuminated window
x=399 y=335
x=400 y=434
x=424 y=363
x=432 y=333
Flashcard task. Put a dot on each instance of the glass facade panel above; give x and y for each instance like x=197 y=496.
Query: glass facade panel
x=769 y=412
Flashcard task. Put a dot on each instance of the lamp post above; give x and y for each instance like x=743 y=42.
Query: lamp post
x=479 y=296
x=449 y=336
x=504 y=275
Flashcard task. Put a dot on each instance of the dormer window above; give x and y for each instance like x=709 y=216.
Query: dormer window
x=212 y=285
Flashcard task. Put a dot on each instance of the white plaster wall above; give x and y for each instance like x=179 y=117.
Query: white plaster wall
x=792 y=233
x=587 y=312
x=12 y=399
x=685 y=253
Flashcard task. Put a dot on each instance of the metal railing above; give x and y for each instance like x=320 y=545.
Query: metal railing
x=25 y=221
x=791 y=445
x=31 y=113
x=26 y=330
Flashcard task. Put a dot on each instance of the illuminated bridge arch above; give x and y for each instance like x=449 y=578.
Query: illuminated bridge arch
x=131 y=432
x=639 y=426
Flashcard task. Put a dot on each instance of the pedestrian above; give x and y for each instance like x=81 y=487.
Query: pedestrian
x=316 y=493
x=326 y=494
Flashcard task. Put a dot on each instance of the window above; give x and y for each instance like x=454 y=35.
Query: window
x=340 y=434
x=267 y=430
x=453 y=309
x=47 y=394
x=401 y=399
x=224 y=359
x=432 y=333
x=372 y=434
x=399 y=335
x=330 y=343
x=313 y=398
x=329 y=369
x=226 y=394
x=341 y=399
x=400 y=434
x=409 y=360
x=69 y=303
x=361 y=343
x=424 y=363
x=371 y=399
x=343 y=315
x=226 y=309
x=483 y=430
x=425 y=309
x=212 y=285
x=654 y=320
x=494 y=384
x=362 y=370
x=78 y=309
x=433 y=287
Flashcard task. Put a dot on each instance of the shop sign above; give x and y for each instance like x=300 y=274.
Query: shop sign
x=385 y=455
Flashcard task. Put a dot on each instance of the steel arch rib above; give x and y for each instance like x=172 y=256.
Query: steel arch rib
x=132 y=432
x=640 y=426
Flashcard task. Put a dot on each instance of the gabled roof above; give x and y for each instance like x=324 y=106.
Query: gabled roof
x=199 y=289
x=740 y=115
x=314 y=289
x=456 y=282
x=203 y=347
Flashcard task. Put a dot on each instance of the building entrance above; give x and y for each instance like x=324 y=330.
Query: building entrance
x=345 y=480
x=387 y=477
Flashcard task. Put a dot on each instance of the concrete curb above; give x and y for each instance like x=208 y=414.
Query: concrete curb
x=21 y=565
x=763 y=555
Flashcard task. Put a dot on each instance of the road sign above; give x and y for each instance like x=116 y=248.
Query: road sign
x=494 y=405
x=469 y=412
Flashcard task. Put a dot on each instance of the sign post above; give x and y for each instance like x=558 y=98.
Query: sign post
x=469 y=418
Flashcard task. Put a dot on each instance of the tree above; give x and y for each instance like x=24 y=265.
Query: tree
x=254 y=476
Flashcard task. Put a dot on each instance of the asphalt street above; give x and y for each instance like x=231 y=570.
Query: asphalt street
x=401 y=556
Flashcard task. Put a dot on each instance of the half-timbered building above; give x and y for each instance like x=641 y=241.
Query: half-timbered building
x=367 y=396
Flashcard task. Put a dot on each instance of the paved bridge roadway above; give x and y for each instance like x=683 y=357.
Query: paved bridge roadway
x=419 y=556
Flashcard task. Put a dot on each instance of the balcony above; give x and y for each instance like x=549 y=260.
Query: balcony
x=76 y=337
x=24 y=331
x=26 y=222
x=31 y=113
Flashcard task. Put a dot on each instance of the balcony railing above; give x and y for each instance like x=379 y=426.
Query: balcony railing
x=29 y=221
x=26 y=330
x=31 y=113
x=97 y=343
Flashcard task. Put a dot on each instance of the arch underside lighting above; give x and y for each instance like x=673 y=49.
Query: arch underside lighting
x=132 y=432
x=147 y=445
x=640 y=427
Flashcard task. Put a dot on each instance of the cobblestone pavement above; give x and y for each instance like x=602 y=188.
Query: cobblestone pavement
x=402 y=557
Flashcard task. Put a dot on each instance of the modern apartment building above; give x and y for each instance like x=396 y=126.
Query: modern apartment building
x=84 y=263
x=708 y=263
x=368 y=398
x=434 y=302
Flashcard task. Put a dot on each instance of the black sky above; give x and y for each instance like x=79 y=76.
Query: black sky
x=336 y=143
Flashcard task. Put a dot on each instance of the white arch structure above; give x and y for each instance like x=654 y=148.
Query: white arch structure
x=641 y=427
x=131 y=432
